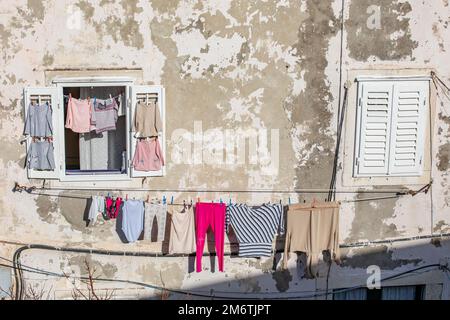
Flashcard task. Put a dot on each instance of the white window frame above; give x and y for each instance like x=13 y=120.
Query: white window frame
x=160 y=92
x=57 y=91
x=347 y=153
x=61 y=83
x=44 y=91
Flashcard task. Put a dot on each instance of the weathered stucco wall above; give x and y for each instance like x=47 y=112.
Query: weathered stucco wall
x=233 y=65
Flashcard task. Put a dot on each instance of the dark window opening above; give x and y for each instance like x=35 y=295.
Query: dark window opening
x=92 y=153
x=386 y=293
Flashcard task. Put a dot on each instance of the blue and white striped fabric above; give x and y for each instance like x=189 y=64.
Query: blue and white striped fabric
x=255 y=227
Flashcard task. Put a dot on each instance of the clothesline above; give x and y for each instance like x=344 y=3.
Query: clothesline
x=33 y=189
x=115 y=97
x=267 y=191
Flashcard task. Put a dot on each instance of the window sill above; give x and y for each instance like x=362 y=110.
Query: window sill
x=350 y=181
x=95 y=177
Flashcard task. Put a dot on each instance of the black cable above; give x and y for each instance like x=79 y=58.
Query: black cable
x=332 y=188
x=45 y=272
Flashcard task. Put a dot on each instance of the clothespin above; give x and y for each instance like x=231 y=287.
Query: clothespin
x=171 y=200
x=280 y=201
x=229 y=201
x=126 y=197
x=198 y=199
x=289 y=200
x=221 y=201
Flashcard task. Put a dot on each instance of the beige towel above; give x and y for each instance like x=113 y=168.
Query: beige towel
x=182 y=230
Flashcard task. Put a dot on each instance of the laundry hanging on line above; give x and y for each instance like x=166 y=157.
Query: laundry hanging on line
x=309 y=228
x=40 y=155
x=255 y=227
x=38 y=122
x=92 y=114
x=312 y=229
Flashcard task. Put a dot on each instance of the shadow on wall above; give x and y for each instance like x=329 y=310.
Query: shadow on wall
x=264 y=278
x=297 y=283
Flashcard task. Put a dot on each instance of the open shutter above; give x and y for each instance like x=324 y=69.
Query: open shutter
x=408 y=127
x=45 y=94
x=139 y=92
x=373 y=125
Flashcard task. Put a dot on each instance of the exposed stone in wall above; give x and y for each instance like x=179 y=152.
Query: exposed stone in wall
x=369 y=221
x=311 y=116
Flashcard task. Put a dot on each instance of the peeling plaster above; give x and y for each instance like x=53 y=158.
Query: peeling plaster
x=380 y=256
x=390 y=42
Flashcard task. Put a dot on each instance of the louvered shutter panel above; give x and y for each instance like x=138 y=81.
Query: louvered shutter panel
x=32 y=93
x=136 y=91
x=408 y=127
x=373 y=125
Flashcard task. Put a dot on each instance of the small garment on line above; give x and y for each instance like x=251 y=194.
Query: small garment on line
x=255 y=227
x=112 y=207
x=147 y=119
x=105 y=114
x=182 y=230
x=148 y=155
x=39 y=120
x=312 y=229
x=41 y=156
x=158 y=212
x=97 y=207
x=132 y=219
x=210 y=215
x=79 y=115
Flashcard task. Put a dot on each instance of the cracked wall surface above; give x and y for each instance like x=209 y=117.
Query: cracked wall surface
x=236 y=66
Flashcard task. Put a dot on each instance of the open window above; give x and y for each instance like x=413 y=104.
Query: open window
x=96 y=154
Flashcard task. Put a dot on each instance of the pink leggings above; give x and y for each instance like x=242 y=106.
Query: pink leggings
x=210 y=214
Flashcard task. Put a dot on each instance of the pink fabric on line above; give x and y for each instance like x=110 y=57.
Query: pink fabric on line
x=148 y=156
x=210 y=215
x=79 y=115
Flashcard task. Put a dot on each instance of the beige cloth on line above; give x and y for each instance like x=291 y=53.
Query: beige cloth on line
x=147 y=119
x=312 y=229
x=182 y=230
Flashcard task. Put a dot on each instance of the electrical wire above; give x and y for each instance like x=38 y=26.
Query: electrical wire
x=195 y=293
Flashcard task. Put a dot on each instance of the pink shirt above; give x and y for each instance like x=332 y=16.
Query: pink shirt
x=148 y=155
x=79 y=114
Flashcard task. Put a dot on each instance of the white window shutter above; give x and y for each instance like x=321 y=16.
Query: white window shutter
x=373 y=128
x=33 y=92
x=140 y=90
x=408 y=127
